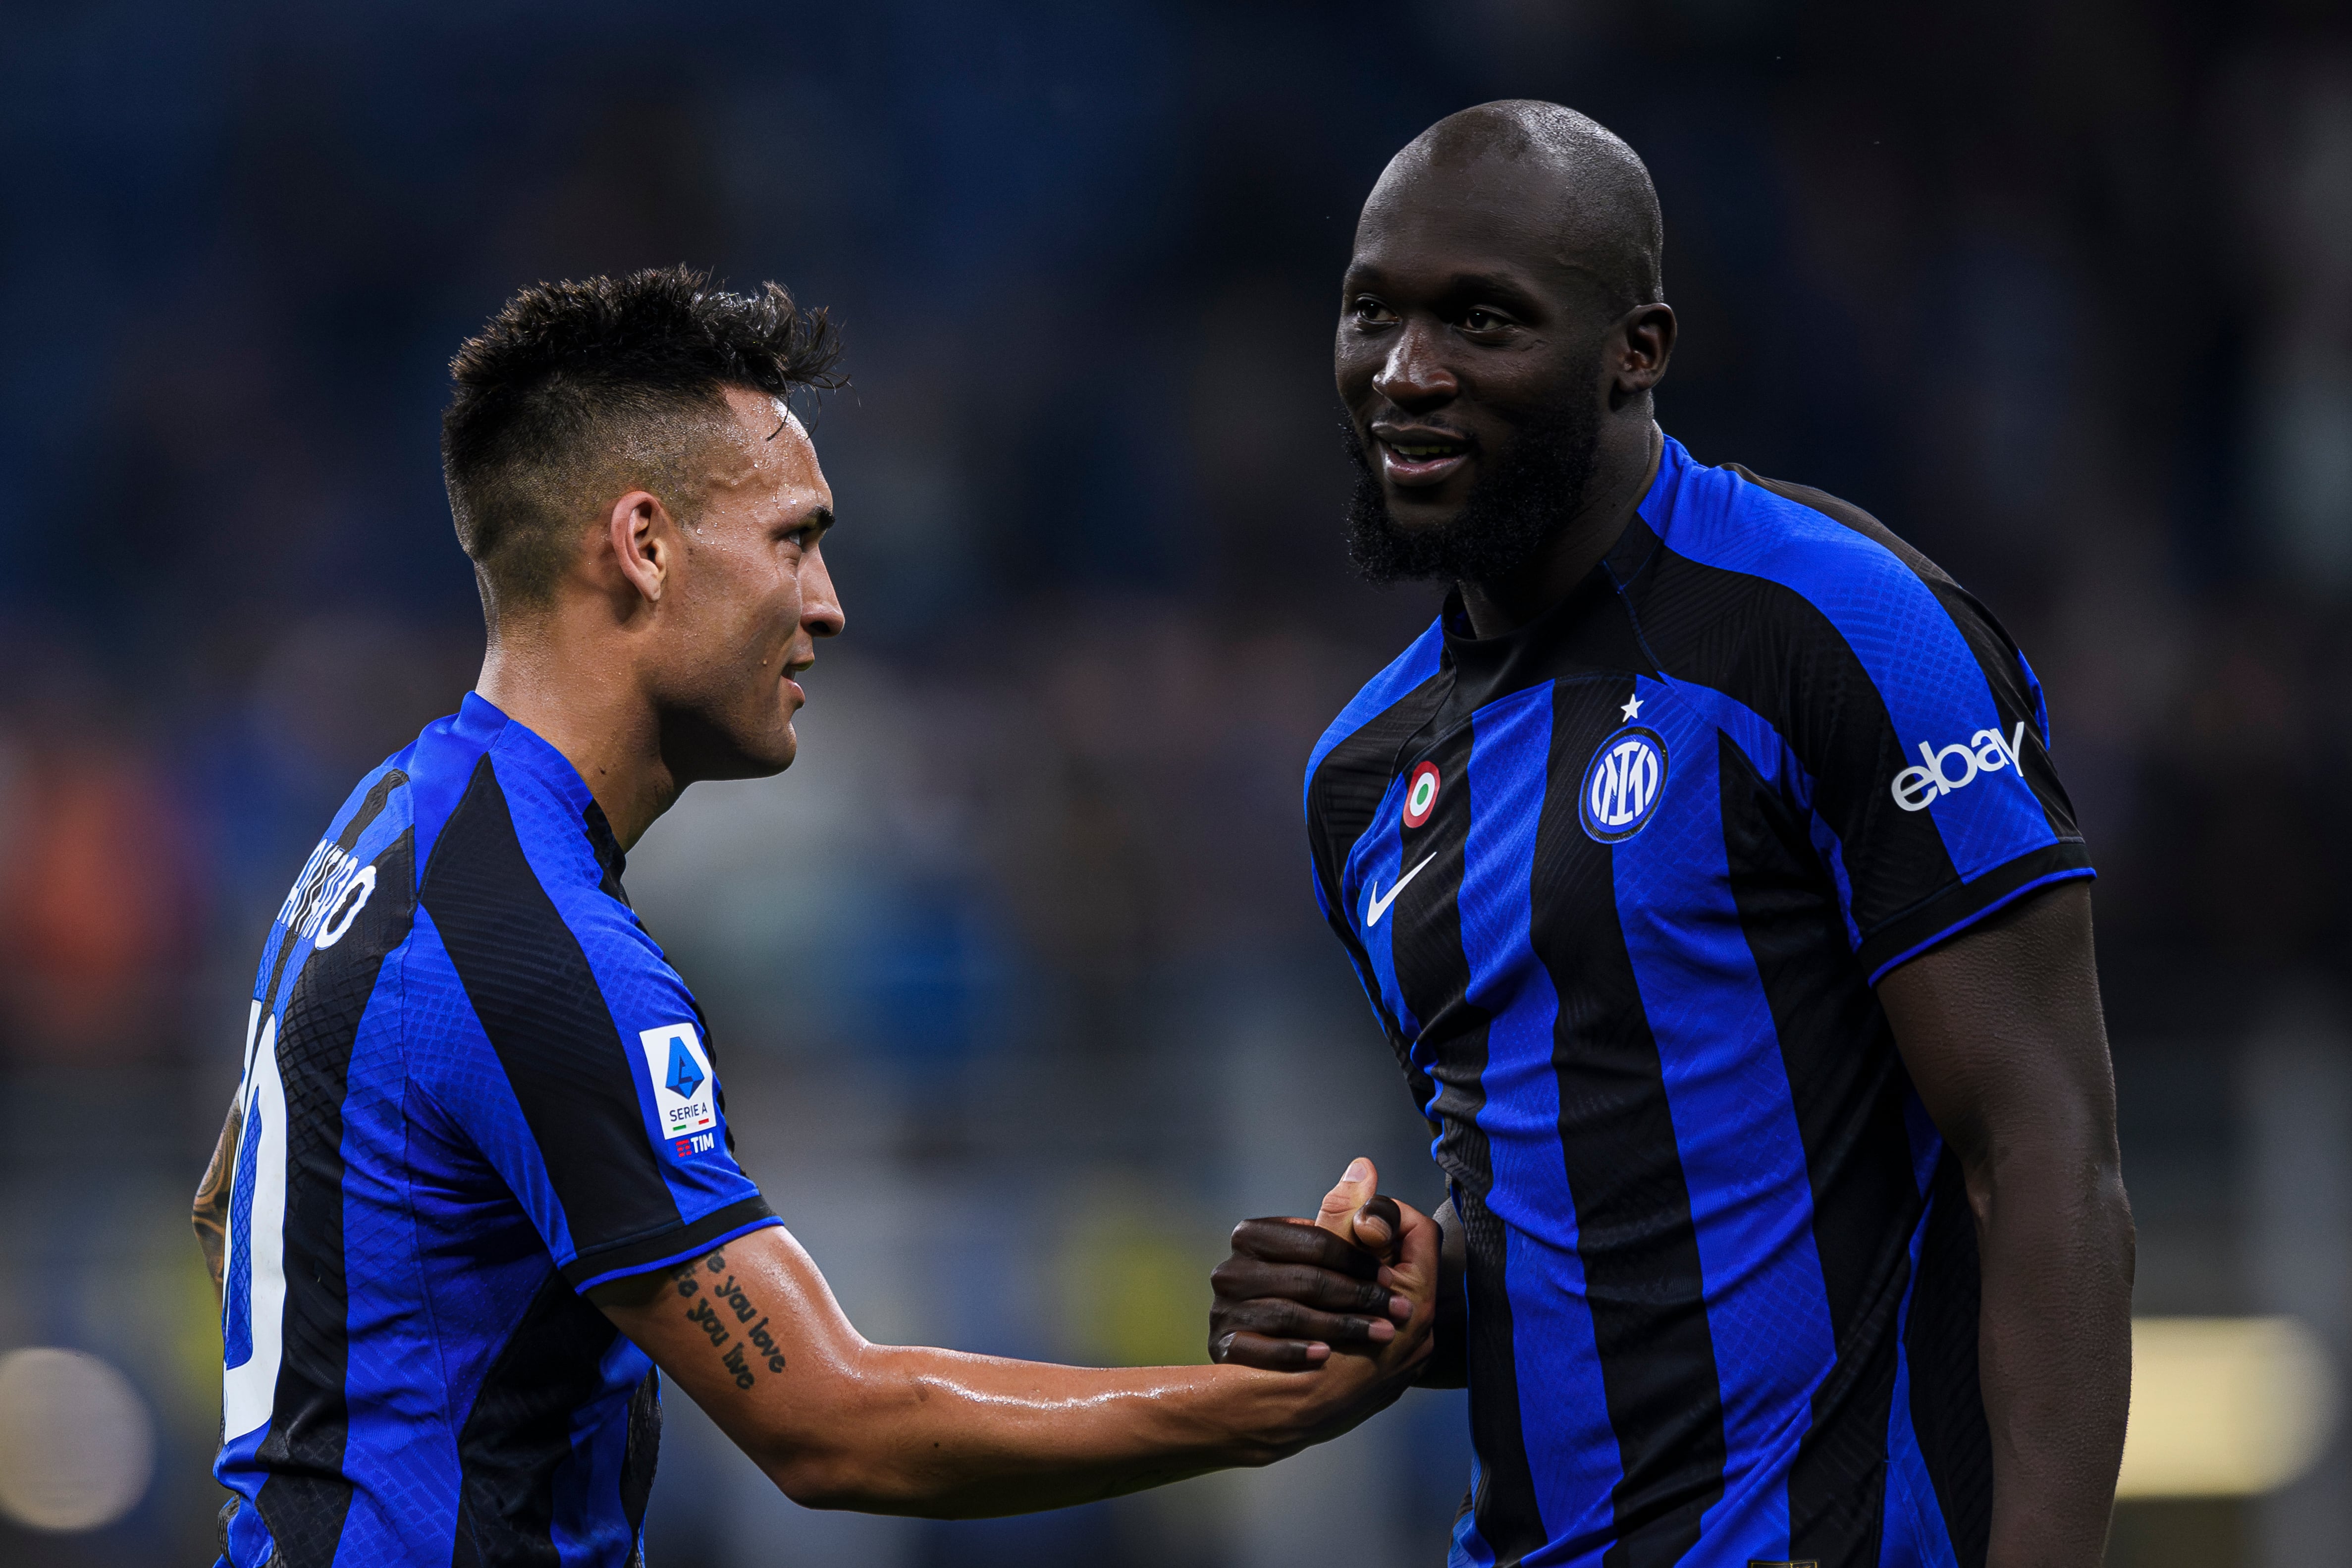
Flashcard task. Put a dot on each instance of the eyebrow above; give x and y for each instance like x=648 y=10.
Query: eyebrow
x=1459 y=287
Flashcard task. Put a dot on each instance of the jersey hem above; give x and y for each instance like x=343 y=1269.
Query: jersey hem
x=681 y=1244
x=1947 y=915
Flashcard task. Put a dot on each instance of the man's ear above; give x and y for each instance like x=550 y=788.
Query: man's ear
x=1645 y=343
x=644 y=542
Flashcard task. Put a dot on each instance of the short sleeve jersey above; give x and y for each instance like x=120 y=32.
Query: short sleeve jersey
x=1619 y=885
x=474 y=1087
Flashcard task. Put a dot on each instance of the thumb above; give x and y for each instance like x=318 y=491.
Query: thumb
x=1357 y=1184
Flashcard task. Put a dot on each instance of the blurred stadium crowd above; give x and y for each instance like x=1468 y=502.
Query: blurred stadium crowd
x=1017 y=979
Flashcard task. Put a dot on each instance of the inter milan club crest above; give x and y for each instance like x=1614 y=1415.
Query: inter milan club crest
x=1420 y=794
x=1622 y=784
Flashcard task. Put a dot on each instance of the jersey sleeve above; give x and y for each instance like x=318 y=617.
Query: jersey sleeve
x=581 y=1071
x=1926 y=744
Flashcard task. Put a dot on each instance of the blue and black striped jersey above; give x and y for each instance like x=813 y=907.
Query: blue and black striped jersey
x=473 y=1089
x=1619 y=885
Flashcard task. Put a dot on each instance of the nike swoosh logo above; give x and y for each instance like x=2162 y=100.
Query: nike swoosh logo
x=1376 y=906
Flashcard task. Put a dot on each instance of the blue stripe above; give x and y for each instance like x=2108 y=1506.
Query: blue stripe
x=236 y=1298
x=448 y=1044
x=1572 y=1453
x=1908 y=645
x=1376 y=861
x=400 y=1425
x=1735 y=1128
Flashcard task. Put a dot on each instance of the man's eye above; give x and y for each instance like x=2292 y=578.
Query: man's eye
x=1482 y=321
x=1370 y=311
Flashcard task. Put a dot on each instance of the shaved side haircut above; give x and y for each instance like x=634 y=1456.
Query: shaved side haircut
x=1608 y=220
x=577 y=392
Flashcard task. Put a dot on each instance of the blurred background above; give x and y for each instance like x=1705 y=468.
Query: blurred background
x=1018 y=983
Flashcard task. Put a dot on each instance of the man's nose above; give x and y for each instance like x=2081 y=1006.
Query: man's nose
x=820 y=606
x=1413 y=374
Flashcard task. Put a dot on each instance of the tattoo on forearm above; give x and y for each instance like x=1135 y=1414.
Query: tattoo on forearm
x=721 y=1308
x=211 y=1213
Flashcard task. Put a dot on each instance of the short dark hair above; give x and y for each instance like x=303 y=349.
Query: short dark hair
x=574 y=388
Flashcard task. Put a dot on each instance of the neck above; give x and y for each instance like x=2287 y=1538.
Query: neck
x=1623 y=467
x=574 y=697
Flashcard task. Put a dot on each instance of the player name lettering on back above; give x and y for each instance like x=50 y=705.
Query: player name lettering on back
x=1986 y=752
x=332 y=880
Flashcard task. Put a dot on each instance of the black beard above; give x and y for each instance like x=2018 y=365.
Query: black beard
x=1518 y=507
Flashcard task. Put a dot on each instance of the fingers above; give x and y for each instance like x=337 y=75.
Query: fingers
x=1295 y=1291
x=1377 y=1227
x=1413 y=1278
x=1358 y=1185
x=1270 y=1356
x=1249 y=1278
x=1299 y=1241
x=1276 y=1318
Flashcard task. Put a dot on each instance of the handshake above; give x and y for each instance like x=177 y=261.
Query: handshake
x=1294 y=1291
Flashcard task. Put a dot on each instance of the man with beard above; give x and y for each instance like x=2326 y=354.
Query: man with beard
x=1704 y=864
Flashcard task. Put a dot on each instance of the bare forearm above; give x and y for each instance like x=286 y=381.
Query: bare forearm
x=752 y=1331
x=947 y=1434
x=2054 y=1351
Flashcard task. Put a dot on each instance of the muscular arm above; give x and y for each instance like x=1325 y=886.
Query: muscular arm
x=2002 y=1031
x=753 y=1332
x=211 y=1214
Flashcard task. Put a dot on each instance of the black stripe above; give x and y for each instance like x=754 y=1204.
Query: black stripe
x=609 y=861
x=538 y=1001
x=1433 y=973
x=1639 y=1248
x=307 y=1497
x=1504 y=1501
x=1947 y=1399
x=1997 y=653
x=1847 y=1086
x=684 y=1241
x=1937 y=916
x=1767 y=646
x=644 y=1453
x=518 y=1432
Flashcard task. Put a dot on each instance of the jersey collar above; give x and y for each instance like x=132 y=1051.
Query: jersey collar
x=521 y=747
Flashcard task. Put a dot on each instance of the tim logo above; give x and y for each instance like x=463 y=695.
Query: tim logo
x=1622 y=784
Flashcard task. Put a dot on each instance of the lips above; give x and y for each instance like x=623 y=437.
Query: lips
x=1413 y=458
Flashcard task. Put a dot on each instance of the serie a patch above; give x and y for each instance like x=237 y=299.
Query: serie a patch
x=684 y=1098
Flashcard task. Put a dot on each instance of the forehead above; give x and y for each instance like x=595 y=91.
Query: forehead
x=1427 y=222
x=770 y=444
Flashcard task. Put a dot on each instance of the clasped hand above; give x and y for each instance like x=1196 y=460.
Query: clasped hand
x=1295 y=1290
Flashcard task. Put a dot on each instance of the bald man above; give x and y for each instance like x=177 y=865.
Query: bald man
x=1706 y=865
